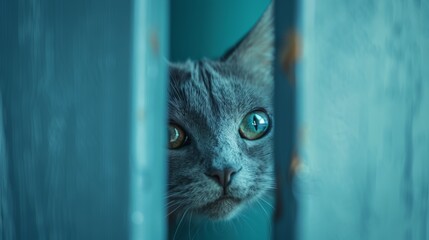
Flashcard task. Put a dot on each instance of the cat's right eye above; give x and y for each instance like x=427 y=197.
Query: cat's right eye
x=177 y=137
x=254 y=125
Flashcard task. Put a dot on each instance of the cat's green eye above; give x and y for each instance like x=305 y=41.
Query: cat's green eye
x=254 y=125
x=177 y=137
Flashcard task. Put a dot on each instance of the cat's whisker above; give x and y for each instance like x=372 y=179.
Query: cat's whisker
x=180 y=222
x=173 y=203
x=268 y=197
x=265 y=201
x=263 y=209
x=170 y=200
x=244 y=218
x=174 y=210
x=189 y=226
x=172 y=195
x=198 y=230
x=235 y=228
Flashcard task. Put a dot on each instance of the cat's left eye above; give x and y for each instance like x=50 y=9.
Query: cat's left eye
x=177 y=136
x=254 y=125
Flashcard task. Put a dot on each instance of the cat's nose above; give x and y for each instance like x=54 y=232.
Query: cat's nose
x=222 y=177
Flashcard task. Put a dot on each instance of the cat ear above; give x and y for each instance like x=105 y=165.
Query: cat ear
x=255 y=52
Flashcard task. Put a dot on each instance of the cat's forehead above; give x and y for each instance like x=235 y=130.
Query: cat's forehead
x=214 y=89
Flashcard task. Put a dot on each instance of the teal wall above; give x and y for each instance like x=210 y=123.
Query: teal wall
x=208 y=28
x=363 y=92
x=64 y=119
x=82 y=101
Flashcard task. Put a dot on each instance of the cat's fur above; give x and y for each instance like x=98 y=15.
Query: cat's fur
x=209 y=99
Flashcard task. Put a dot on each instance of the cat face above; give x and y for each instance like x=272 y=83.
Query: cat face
x=221 y=128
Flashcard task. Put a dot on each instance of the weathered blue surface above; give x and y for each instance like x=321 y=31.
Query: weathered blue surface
x=285 y=112
x=148 y=168
x=364 y=120
x=64 y=121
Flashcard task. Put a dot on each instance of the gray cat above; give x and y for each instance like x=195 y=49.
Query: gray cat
x=221 y=128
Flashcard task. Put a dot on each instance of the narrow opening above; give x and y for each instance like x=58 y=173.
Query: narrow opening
x=225 y=89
